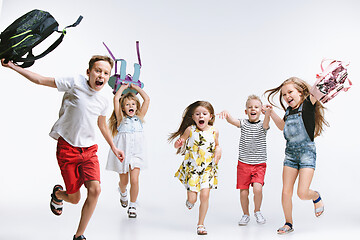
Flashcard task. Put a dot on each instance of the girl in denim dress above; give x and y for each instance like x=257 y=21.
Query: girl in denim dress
x=303 y=121
x=126 y=124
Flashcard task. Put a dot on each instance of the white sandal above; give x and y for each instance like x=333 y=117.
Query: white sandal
x=287 y=228
x=132 y=212
x=320 y=210
x=123 y=199
x=201 y=230
x=189 y=205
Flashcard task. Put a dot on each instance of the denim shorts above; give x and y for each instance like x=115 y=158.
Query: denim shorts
x=303 y=156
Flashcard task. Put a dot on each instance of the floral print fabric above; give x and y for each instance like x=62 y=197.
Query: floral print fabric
x=198 y=170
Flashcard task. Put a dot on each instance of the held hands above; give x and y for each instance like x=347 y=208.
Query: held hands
x=267 y=109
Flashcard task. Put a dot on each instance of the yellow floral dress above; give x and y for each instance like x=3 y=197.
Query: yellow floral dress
x=198 y=170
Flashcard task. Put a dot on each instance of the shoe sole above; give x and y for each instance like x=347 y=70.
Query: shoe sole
x=287 y=232
x=242 y=224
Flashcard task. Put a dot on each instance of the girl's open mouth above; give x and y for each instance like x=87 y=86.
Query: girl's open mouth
x=131 y=110
x=201 y=122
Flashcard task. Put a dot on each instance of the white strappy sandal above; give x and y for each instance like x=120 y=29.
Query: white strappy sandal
x=320 y=210
x=123 y=199
x=189 y=205
x=201 y=230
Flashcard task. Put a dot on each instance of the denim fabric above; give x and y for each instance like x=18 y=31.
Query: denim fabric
x=130 y=125
x=300 y=151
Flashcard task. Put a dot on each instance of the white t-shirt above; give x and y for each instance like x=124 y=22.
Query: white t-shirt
x=79 y=112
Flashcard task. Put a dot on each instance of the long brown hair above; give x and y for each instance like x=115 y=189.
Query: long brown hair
x=187 y=121
x=113 y=121
x=304 y=89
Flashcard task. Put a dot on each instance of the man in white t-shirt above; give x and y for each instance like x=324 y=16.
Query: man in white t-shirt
x=83 y=107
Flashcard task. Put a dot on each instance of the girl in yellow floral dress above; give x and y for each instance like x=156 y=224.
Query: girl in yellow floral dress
x=199 y=143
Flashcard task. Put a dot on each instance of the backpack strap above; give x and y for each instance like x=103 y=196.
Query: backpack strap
x=138 y=52
x=30 y=58
x=111 y=54
x=137 y=66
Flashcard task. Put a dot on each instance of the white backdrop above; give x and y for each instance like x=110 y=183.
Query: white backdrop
x=220 y=51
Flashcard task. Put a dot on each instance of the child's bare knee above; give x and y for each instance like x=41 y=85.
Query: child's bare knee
x=303 y=195
x=257 y=188
x=134 y=181
x=244 y=192
x=204 y=196
x=74 y=198
x=94 y=190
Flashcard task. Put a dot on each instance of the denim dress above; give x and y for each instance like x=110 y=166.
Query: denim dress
x=300 y=151
x=130 y=139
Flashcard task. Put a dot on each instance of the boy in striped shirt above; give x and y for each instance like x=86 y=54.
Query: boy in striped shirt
x=252 y=155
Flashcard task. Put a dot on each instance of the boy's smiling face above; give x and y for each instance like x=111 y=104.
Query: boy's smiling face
x=99 y=75
x=253 y=110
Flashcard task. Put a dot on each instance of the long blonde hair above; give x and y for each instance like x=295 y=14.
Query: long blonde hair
x=113 y=121
x=187 y=121
x=304 y=89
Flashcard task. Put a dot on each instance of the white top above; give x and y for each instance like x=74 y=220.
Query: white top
x=79 y=112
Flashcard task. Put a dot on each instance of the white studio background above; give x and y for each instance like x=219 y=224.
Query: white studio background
x=220 y=51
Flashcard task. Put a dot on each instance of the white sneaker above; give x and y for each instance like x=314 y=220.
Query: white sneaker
x=259 y=218
x=245 y=219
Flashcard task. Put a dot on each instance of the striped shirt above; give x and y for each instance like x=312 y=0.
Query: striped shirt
x=252 y=146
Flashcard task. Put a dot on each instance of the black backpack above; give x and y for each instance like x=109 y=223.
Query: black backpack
x=25 y=33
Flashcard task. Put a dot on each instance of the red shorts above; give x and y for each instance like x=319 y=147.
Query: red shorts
x=248 y=174
x=77 y=165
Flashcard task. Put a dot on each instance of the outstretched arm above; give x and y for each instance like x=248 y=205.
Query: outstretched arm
x=106 y=133
x=225 y=114
x=145 y=105
x=33 y=77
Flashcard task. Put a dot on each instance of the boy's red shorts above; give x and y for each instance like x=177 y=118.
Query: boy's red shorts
x=248 y=174
x=77 y=165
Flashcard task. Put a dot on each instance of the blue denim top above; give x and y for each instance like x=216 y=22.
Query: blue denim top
x=130 y=125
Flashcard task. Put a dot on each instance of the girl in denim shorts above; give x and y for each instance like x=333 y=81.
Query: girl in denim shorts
x=303 y=121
